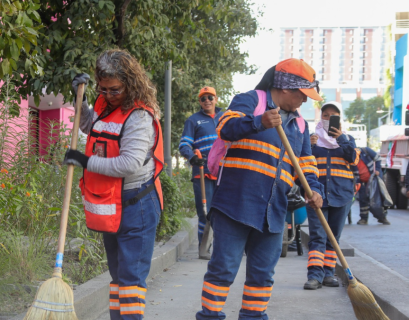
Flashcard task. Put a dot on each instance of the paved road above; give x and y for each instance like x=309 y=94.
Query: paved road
x=386 y=244
x=175 y=294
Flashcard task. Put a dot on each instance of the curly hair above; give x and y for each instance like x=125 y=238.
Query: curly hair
x=121 y=65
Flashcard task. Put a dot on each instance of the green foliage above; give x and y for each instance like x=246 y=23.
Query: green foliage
x=364 y=112
x=54 y=42
x=171 y=218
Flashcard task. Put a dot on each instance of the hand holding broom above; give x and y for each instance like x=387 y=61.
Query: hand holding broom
x=55 y=299
x=362 y=299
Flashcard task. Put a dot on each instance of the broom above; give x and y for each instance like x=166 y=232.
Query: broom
x=362 y=299
x=54 y=299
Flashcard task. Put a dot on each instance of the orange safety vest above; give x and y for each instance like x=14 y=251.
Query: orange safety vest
x=101 y=194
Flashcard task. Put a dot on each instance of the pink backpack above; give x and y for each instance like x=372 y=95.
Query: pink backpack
x=219 y=148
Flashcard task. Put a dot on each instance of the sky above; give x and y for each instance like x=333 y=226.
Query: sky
x=263 y=48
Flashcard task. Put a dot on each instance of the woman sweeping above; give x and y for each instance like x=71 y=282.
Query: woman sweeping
x=121 y=190
x=334 y=156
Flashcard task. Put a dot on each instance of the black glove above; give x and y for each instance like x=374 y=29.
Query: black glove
x=196 y=161
x=76 y=158
x=78 y=79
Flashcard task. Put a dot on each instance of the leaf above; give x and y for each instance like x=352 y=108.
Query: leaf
x=37 y=100
x=19 y=43
x=5 y=66
x=13 y=64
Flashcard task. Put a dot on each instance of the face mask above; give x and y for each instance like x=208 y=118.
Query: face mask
x=325 y=124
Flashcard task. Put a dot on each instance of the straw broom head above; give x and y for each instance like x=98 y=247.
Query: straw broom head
x=54 y=301
x=364 y=303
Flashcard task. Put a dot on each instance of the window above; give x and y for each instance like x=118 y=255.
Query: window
x=363 y=62
x=323 y=55
x=363 y=70
x=322 y=70
x=291 y=48
x=352 y=62
x=311 y=55
x=351 y=69
x=311 y=40
x=351 y=47
x=323 y=40
x=351 y=54
x=311 y=62
x=351 y=32
x=351 y=39
x=363 y=77
x=291 y=40
x=322 y=62
x=311 y=48
x=323 y=77
x=291 y=55
x=364 y=48
x=290 y=32
x=351 y=77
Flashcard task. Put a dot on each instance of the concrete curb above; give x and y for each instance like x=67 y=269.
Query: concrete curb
x=390 y=289
x=91 y=299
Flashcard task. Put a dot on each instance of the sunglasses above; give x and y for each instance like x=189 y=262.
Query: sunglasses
x=112 y=93
x=204 y=98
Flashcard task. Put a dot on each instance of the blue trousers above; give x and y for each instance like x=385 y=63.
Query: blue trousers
x=321 y=256
x=231 y=239
x=210 y=185
x=129 y=254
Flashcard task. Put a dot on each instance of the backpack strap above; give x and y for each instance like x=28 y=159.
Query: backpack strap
x=262 y=104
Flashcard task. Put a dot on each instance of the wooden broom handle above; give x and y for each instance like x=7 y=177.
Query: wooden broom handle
x=308 y=191
x=70 y=171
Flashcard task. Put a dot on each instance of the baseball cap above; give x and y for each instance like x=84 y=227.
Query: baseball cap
x=207 y=90
x=297 y=74
x=336 y=105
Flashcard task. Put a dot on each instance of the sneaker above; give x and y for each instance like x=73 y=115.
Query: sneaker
x=384 y=221
x=312 y=284
x=330 y=282
x=362 y=221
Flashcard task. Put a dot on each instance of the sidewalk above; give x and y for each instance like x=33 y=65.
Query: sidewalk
x=176 y=293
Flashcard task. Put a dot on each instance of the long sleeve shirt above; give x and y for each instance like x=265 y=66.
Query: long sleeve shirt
x=335 y=170
x=257 y=173
x=136 y=143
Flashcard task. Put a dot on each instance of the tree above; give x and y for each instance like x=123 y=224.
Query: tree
x=45 y=44
x=364 y=112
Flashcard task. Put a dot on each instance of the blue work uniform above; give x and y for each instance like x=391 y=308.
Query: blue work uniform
x=200 y=133
x=338 y=179
x=250 y=204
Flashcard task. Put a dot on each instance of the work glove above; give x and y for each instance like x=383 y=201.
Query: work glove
x=78 y=79
x=76 y=158
x=196 y=161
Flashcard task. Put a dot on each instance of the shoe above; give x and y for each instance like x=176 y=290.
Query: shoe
x=330 y=282
x=362 y=221
x=384 y=221
x=312 y=284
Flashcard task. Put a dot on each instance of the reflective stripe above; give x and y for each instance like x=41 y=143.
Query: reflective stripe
x=315 y=253
x=134 y=291
x=132 y=308
x=340 y=161
x=185 y=144
x=212 y=305
x=287 y=177
x=254 y=305
x=110 y=127
x=310 y=160
x=114 y=304
x=321 y=160
x=205 y=138
x=229 y=114
x=99 y=209
x=113 y=288
x=253 y=165
x=342 y=173
x=257 y=291
x=329 y=263
x=266 y=148
x=215 y=290
x=332 y=254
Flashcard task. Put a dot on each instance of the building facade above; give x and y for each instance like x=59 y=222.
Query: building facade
x=349 y=61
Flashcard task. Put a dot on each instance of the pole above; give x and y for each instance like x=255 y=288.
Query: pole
x=167 y=131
